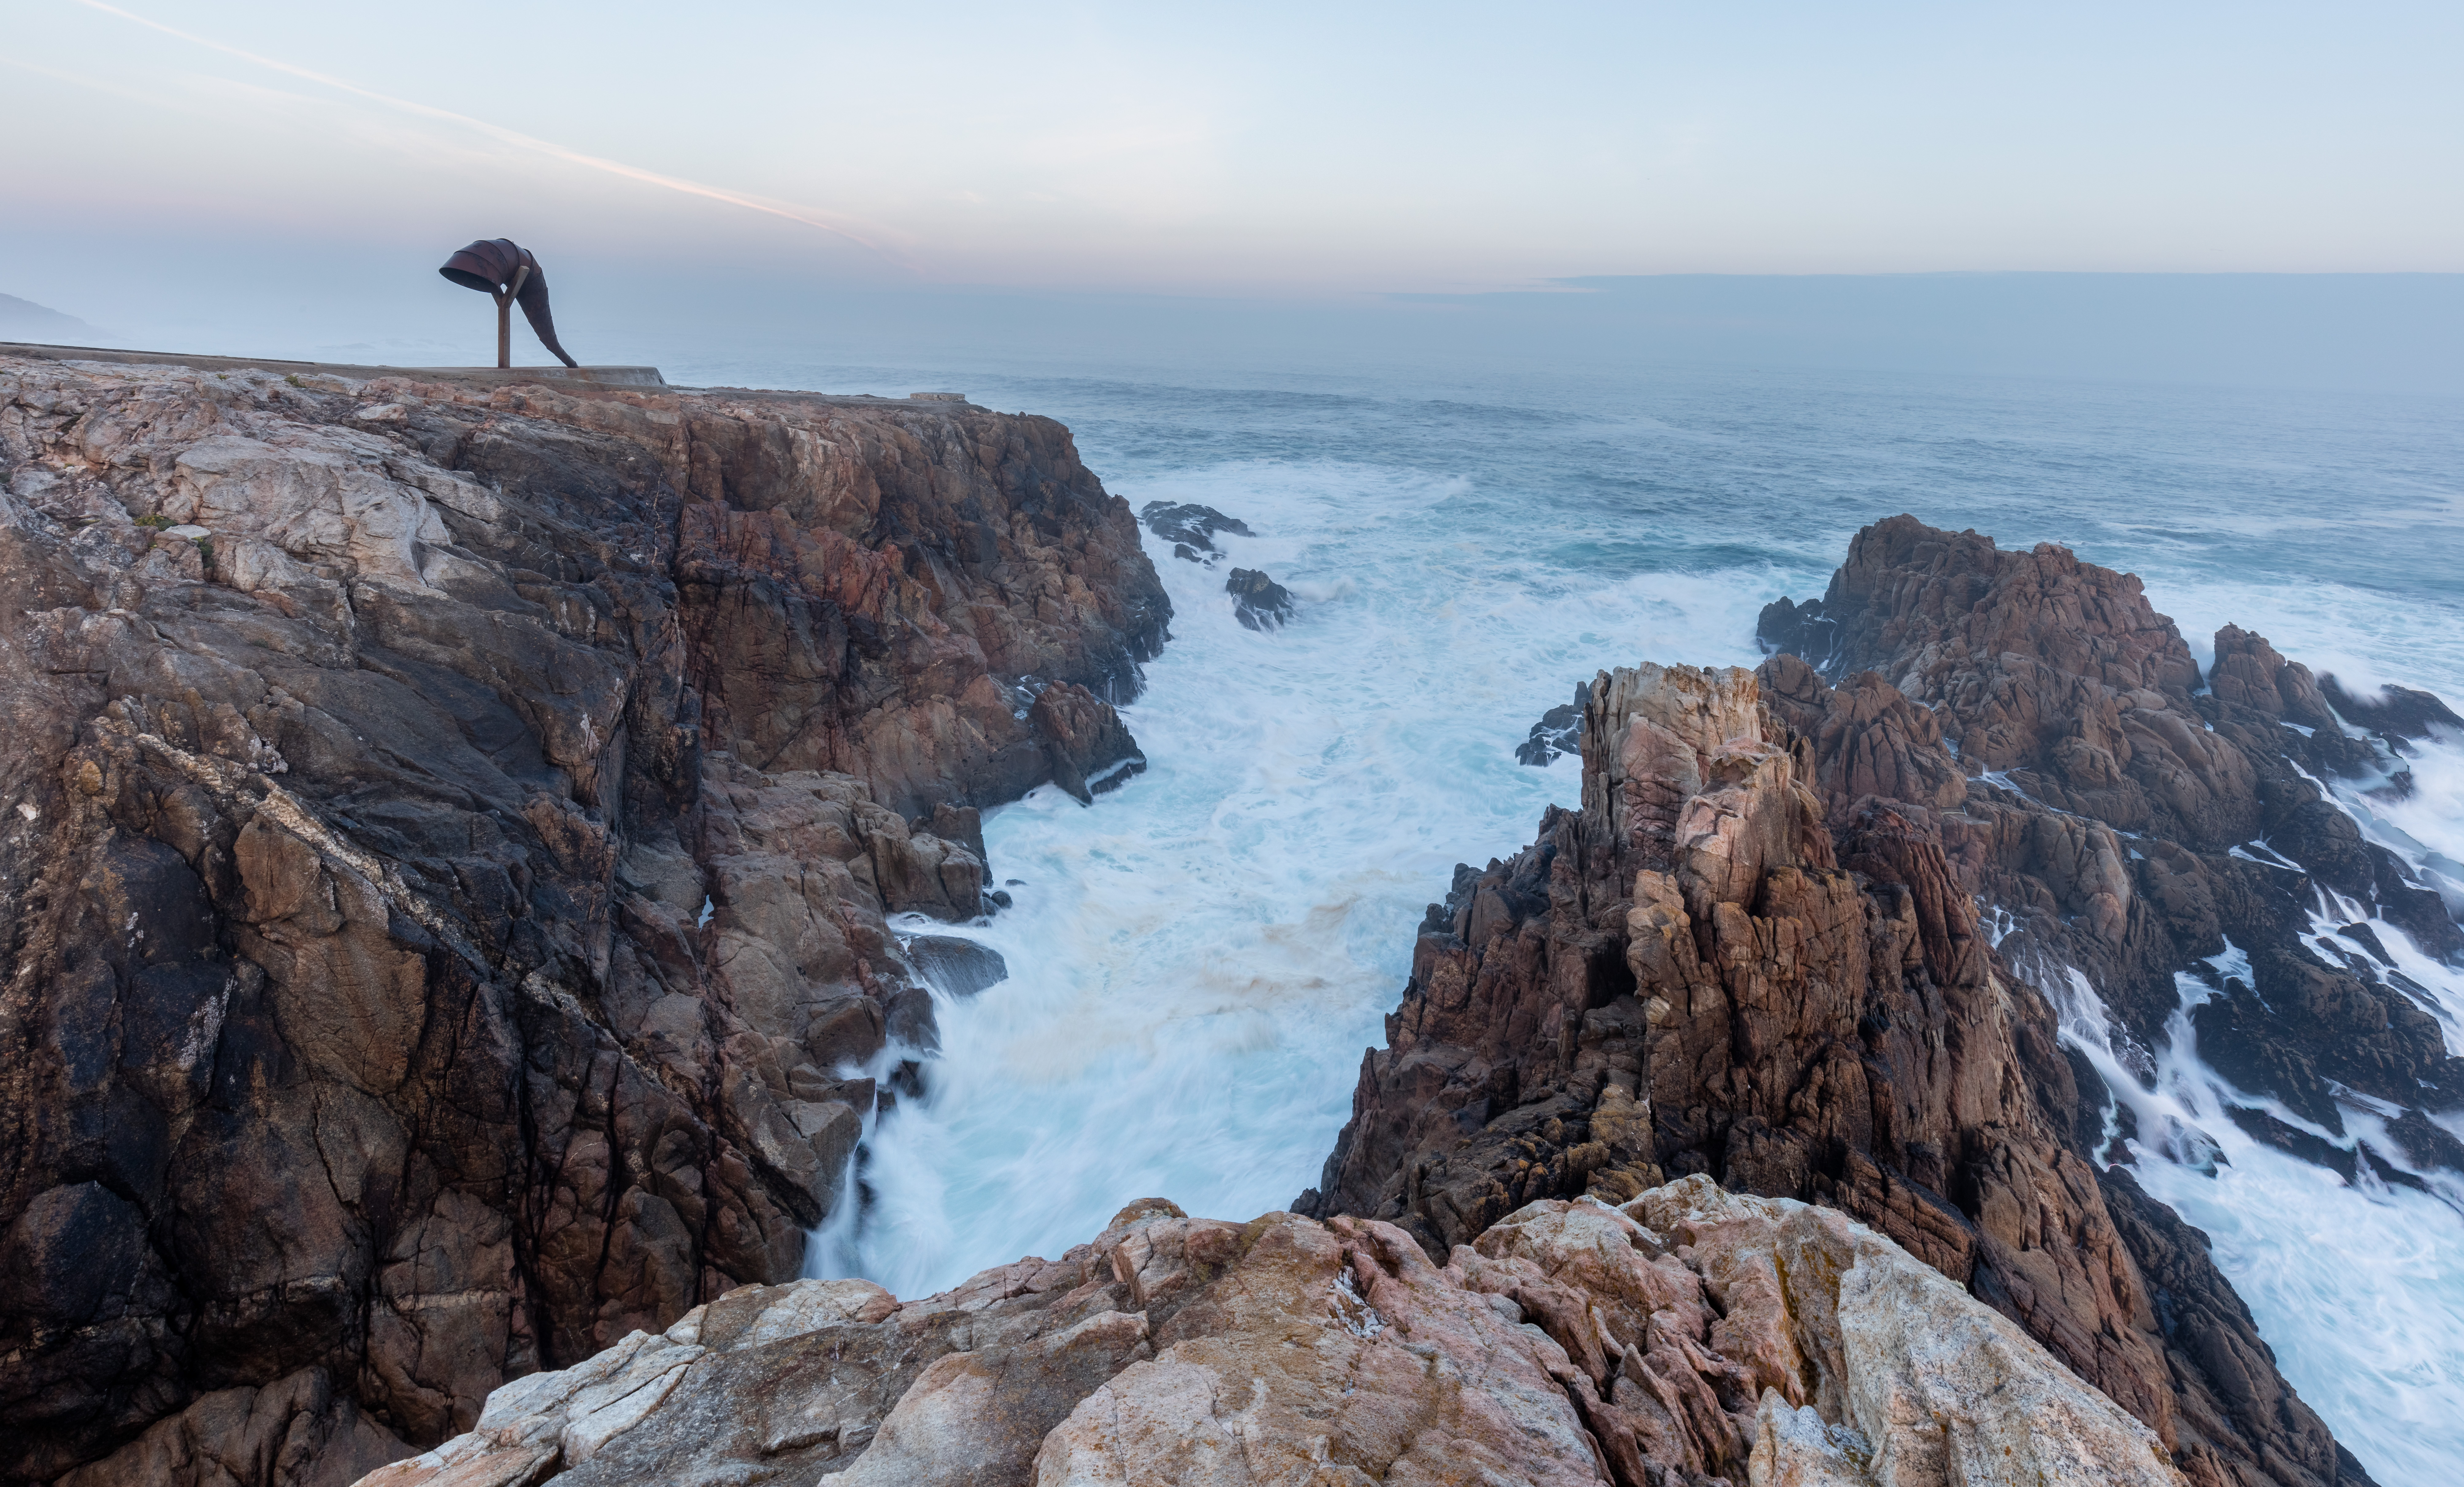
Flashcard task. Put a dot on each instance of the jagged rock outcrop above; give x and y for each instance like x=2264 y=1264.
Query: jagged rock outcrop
x=1087 y=747
x=1692 y=1336
x=1191 y=528
x=1756 y=952
x=2112 y=797
x=1259 y=602
x=445 y=902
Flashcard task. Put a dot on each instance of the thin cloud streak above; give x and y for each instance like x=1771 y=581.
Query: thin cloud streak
x=107 y=89
x=793 y=213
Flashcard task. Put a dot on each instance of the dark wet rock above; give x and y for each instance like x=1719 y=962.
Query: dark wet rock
x=439 y=912
x=1559 y=732
x=2367 y=939
x=1263 y=603
x=1797 y=629
x=1090 y=748
x=2211 y=1342
x=2427 y=1145
x=1189 y=525
x=2392 y=712
x=960 y=967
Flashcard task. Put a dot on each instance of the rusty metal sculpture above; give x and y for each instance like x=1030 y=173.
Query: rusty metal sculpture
x=506 y=273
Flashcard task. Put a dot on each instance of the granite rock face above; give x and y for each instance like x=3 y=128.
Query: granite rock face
x=1756 y=953
x=1691 y=1336
x=447 y=900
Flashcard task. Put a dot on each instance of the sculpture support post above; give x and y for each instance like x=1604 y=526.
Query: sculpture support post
x=499 y=269
x=504 y=299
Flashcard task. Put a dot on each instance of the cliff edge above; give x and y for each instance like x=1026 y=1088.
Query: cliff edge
x=1687 y=1338
x=448 y=837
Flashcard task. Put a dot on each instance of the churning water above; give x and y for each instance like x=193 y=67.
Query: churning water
x=1199 y=959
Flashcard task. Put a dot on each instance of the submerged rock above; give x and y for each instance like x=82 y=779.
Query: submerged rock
x=1559 y=732
x=960 y=967
x=1190 y=527
x=1089 y=747
x=2394 y=712
x=1263 y=604
x=1689 y=1334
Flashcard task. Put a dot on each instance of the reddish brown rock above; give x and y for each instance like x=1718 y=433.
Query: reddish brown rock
x=2056 y=672
x=2248 y=672
x=447 y=905
x=1759 y=939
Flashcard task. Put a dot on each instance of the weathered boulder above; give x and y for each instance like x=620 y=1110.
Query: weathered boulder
x=1259 y=602
x=1691 y=1336
x=1089 y=749
x=446 y=900
x=1190 y=527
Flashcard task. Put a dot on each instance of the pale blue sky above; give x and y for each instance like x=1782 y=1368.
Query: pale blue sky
x=1271 y=147
x=285 y=159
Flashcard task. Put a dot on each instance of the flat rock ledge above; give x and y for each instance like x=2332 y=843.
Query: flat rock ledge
x=1690 y=1336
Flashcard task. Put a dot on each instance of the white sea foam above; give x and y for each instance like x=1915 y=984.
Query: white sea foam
x=1199 y=959
x=2358 y=1286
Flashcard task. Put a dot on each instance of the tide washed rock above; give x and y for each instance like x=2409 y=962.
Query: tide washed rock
x=445 y=900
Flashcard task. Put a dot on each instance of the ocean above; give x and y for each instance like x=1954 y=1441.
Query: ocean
x=1199 y=959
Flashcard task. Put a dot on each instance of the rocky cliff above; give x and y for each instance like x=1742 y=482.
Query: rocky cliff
x=1759 y=951
x=449 y=842
x=1690 y=1336
x=454 y=849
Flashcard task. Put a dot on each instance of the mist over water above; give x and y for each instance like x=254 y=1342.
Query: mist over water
x=1199 y=959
